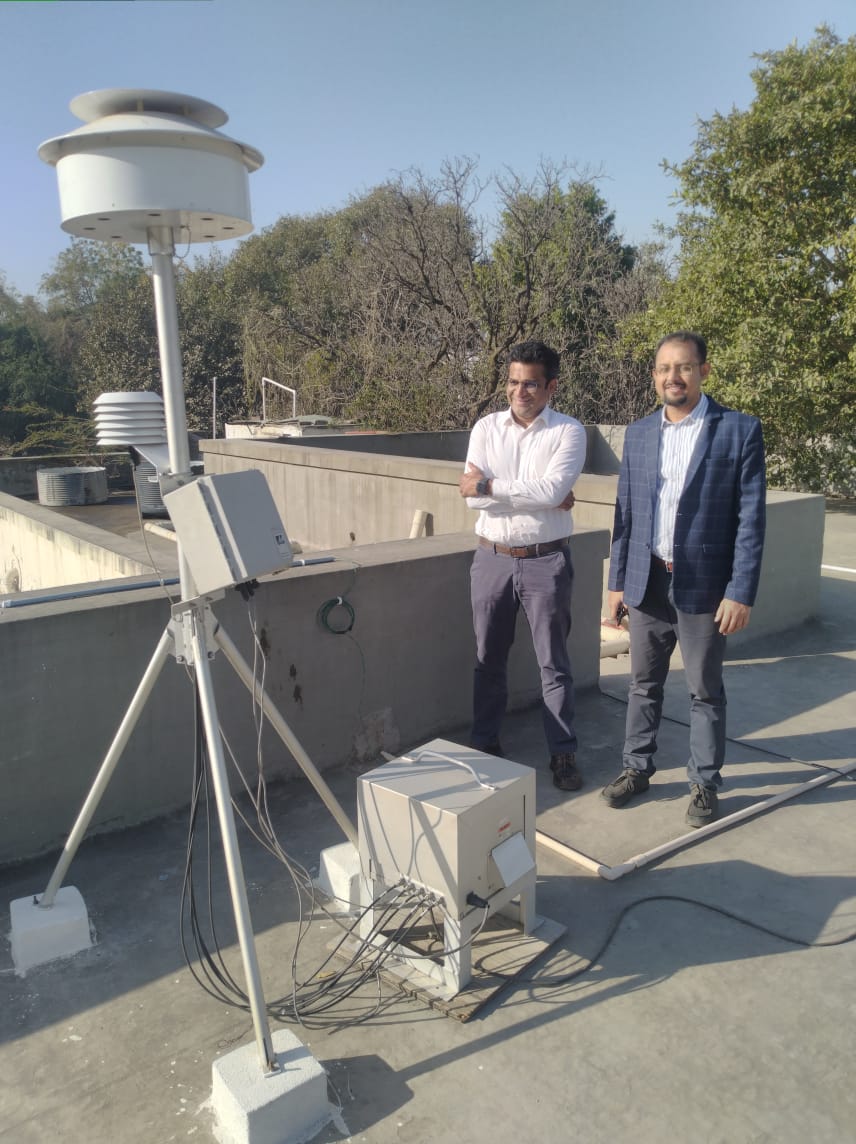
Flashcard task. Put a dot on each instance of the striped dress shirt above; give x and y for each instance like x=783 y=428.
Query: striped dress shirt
x=678 y=439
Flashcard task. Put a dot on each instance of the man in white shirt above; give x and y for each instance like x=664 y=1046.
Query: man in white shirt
x=521 y=467
x=686 y=559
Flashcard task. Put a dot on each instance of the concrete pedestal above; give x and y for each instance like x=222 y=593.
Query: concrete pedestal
x=39 y=935
x=286 y=1107
x=339 y=877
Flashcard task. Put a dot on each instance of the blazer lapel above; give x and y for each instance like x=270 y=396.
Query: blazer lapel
x=702 y=445
x=652 y=458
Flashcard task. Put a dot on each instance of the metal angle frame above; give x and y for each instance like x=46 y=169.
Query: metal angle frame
x=188 y=632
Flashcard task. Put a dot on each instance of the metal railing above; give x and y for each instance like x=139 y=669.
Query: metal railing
x=279 y=385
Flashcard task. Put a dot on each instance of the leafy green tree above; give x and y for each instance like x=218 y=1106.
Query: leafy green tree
x=768 y=259
x=399 y=309
x=211 y=337
x=561 y=272
x=115 y=340
x=35 y=378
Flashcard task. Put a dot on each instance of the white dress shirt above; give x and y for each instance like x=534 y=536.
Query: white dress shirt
x=532 y=469
x=678 y=439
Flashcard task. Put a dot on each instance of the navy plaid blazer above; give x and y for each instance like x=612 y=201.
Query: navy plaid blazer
x=719 y=530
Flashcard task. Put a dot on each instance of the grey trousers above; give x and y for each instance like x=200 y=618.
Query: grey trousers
x=656 y=626
x=541 y=586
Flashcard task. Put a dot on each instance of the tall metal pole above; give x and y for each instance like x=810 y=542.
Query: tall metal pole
x=231 y=850
x=161 y=248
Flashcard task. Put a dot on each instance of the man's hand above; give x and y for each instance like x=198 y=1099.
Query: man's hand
x=467 y=483
x=614 y=606
x=731 y=616
x=568 y=503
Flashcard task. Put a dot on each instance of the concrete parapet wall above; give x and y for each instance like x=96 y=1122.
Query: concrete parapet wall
x=18 y=474
x=43 y=549
x=789 y=590
x=401 y=676
x=450 y=445
x=330 y=497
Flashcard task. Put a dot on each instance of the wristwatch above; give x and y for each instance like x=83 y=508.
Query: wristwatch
x=482 y=487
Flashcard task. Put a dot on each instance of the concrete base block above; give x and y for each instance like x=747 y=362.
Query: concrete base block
x=39 y=935
x=339 y=876
x=286 y=1107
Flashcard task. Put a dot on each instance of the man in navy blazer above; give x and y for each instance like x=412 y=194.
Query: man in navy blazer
x=685 y=561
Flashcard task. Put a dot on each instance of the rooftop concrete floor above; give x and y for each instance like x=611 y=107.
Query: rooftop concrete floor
x=690 y=1026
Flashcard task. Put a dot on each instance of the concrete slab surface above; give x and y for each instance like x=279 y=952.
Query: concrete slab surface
x=708 y=998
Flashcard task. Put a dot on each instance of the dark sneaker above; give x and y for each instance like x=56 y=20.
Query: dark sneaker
x=626 y=786
x=703 y=806
x=565 y=773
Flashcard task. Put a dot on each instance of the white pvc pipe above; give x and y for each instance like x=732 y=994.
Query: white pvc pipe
x=81 y=593
x=568 y=852
x=613 y=873
x=161 y=530
x=418 y=525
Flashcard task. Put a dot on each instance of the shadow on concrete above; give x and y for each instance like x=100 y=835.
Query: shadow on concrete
x=641 y=940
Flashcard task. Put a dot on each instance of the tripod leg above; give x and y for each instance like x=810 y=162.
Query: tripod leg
x=129 y=722
x=287 y=735
x=231 y=851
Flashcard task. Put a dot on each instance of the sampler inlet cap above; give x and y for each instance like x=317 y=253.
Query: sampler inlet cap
x=148 y=159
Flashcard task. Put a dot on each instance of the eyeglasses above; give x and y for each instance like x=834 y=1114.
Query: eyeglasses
x=526 y=386
x=685 y=369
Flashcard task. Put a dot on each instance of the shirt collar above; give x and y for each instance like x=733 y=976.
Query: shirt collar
x=696 y=415
x=546 y=415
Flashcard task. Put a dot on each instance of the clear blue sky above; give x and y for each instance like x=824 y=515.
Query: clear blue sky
x=341 y=94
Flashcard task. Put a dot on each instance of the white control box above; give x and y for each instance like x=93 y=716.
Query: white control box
x=426 y=817
x=229 y=529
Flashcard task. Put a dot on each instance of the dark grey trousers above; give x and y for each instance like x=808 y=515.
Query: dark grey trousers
x=541 y=586
x=656 y=626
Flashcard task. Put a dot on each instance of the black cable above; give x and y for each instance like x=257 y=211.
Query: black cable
x=343 y=626
x=552 y=983
x=311 y=998
x=753 y=746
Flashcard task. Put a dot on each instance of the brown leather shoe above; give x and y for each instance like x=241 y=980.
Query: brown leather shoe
x=565 y=773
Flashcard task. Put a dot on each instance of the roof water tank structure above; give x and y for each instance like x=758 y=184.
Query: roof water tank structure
x=60 y=487
x=95 y=489
x=76 y=485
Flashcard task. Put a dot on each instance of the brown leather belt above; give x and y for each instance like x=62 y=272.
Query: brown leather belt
x=524 y=551
x=667 y=564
